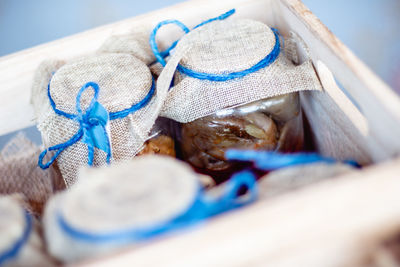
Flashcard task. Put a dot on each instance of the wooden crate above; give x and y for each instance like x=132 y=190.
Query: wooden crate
x=335 y=223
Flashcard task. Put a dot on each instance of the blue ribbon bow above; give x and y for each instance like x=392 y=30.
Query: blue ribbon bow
x=263 y=63
x=202 y=207
x=92 y=128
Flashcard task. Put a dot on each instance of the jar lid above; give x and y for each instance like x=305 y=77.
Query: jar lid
x=139 y=194
x=123 y=80
x=227 y=46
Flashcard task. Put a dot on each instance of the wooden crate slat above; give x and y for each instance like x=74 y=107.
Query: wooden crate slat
x=327 y=224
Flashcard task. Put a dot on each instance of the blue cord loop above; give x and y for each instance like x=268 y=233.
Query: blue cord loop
x=153 y=44
x=202 y=207
x=161 y=55
x=265 y=62
x=13 y=251
x=270 y=160
x=231 y=199
x=92 y=124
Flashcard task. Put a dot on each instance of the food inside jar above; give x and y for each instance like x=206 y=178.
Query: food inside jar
x=160 y=144
x=161 y=140
x=269 y=124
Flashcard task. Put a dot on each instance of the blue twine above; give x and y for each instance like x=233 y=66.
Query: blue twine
x=92 y=125
x=113 y=115
x=265 y=62
x=13 y=251
x=153 y=44
x=269 y=160
x=201 y=208
x=220 y=17
x=161 y=55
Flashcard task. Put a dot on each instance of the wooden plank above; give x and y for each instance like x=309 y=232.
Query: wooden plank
x=334 y=223
x=379 y=104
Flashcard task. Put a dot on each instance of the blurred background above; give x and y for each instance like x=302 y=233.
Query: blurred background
x=370 y=28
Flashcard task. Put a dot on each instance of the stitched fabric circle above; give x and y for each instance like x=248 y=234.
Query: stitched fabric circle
x=130 y=196
x=227 y=46
x=116 y=74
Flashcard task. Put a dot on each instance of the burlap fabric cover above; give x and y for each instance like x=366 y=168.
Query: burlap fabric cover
x=123 y=79
x=13 y=226
x=19 y=173
x=135 y=43
x=228 y=46
x=138 y=194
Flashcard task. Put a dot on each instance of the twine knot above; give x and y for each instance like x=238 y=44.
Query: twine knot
x=92 y=128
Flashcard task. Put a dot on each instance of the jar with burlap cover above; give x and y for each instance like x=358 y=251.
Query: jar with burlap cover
x=130 y=202
x=95 y=108
x=233 y=84
x=20 y=240
x=20 y=174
